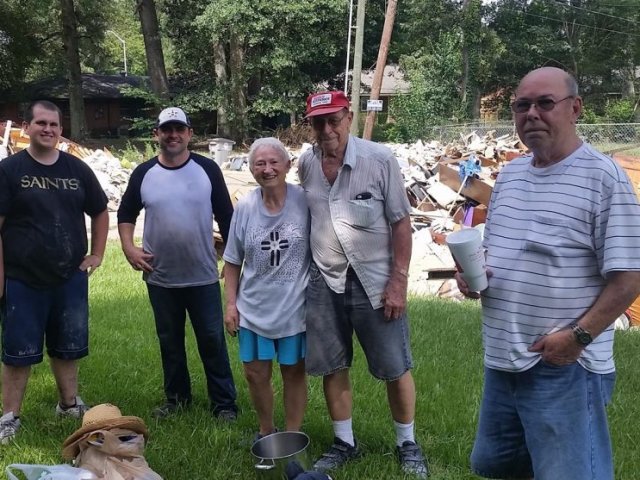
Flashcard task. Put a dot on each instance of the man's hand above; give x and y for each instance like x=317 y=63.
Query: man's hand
x=139 y=259
x=558 y=348
x=231 y=320
x=464 y=288
x=89 y=264
x=394 y=297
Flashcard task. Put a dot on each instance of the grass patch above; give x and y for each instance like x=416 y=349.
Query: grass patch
x=124 y=369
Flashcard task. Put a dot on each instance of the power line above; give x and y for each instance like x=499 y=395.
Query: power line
x=559 y=2
x=626 y=5
x=580 y=24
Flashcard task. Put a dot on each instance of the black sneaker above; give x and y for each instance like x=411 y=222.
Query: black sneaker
x=226 y=415
x=338 y=454
x=412 y=460
x=259 y=436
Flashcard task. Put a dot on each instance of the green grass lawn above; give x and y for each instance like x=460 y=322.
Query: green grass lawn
x=124 y=369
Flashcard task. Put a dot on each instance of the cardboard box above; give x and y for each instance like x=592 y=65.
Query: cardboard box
x=479 y=215
x=476 y=189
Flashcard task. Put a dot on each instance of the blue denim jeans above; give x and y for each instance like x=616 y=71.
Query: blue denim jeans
x=332 y=318
x=58 y=314
x=547 y=422
x=204 y=305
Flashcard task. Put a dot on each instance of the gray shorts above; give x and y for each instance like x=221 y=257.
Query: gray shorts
x=333 y=317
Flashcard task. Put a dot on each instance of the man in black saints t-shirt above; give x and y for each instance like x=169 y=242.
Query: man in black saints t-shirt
x=44 y=195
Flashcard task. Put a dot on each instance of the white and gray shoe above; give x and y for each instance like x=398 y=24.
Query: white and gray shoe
x=77 y=411
x=9 y=426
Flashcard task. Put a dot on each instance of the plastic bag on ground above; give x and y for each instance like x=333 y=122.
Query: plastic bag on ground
x=47 y=472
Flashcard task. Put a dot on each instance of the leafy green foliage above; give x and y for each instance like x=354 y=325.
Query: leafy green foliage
x=620 y=111
x=277 y=43
x=434 y=97
x=132 y=155
x=589 y=115
x=597 y=42
x=17 y=45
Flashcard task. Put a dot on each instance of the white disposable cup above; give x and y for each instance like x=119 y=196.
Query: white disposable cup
x=466 y=248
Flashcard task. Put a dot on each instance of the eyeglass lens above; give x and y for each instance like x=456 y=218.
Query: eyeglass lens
x=319 y=122
x=544 y=104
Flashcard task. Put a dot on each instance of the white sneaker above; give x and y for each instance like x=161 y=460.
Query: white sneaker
x=76 y=411
x=9 y=426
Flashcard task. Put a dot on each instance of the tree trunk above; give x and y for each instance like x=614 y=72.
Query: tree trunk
x=70 y=43
x=238 y=92
x=477 y=102
x=469 y=85
x=153 y=48
x=223 y=129
x=628 y=71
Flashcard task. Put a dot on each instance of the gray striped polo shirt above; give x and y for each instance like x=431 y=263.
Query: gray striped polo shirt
x=552 y=236
x=347 y=230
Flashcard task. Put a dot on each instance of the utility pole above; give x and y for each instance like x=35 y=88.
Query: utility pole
x=389 y=18
x=357 y=67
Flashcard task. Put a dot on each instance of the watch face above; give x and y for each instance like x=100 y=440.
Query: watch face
x=582 y=336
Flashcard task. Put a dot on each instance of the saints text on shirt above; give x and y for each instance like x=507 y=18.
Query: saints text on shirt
x=46 y=183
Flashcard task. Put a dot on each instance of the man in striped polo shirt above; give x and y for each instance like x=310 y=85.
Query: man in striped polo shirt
x=563 y=243
x=361 y=248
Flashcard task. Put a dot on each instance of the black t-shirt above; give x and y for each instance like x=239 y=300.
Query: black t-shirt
x=44 y=234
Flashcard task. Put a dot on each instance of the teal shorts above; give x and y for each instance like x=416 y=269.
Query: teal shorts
x=287 y=350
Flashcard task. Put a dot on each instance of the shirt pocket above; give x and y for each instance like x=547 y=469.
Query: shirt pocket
x=549 y=235
x=363 y=213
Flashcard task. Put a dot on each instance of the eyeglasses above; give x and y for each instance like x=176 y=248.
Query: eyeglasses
x=318 y=123
x=542 y=104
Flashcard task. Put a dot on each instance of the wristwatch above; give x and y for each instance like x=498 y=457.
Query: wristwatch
x=582 y=336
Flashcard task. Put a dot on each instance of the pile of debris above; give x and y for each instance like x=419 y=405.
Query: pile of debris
x=448 y=185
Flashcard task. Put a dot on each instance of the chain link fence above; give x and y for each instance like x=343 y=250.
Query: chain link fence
x=606 y=137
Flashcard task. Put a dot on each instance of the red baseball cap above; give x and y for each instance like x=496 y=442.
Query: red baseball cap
x=324 y=103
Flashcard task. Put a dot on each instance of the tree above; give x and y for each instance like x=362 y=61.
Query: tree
x=254 y=58
x=17 y=46
x=434 y=97
x=471 y=33
x=70 y=41
x=153 y=48
x=595 y=42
